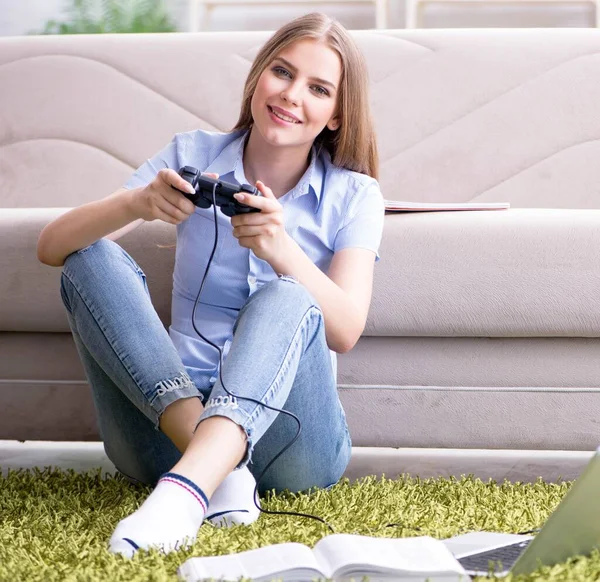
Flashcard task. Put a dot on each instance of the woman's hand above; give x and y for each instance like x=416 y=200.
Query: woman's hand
x=262 y=232
x=159 y=199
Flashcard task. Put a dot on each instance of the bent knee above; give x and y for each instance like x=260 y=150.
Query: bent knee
x=288 y=291
x=102 y=247
x=99 y=261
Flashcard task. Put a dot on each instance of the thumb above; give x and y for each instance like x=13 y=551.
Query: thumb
x=265 y=190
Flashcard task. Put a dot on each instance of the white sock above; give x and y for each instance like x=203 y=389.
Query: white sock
x=168 y=519
x=232 y=502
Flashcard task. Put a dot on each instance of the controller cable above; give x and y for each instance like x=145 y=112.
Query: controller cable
x=246 y=397
x=255 y=494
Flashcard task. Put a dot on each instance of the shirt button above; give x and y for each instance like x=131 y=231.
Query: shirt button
x=252 y=279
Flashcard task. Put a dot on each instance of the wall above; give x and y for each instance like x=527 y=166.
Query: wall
x=21 y=16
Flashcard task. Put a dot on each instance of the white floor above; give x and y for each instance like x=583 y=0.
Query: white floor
x=523 y=466
x=79 y=456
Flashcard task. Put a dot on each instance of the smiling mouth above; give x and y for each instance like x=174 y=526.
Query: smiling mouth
x=282 y=117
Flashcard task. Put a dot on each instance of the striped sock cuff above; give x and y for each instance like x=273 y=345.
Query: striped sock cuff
x=189 y=486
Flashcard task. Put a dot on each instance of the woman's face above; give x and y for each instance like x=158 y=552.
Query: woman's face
x=296 y=95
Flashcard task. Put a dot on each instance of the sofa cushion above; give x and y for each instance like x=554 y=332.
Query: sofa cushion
x=507 y=273
x=503 y=273
x=30 y=291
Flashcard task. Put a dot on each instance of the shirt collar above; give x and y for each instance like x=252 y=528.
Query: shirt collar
x=231 y=160
x=312 y=179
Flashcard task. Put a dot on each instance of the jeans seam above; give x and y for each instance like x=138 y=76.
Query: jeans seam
x=284 y=366
x=63 y=293
x=151 y=401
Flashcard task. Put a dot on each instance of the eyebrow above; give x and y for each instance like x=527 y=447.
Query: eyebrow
x=322 y=81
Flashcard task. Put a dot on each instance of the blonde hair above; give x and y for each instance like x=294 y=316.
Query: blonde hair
x=353 y=145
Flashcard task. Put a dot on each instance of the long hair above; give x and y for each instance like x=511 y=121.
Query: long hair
x=353 y=145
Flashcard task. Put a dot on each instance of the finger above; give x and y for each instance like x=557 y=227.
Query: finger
x=260 y=202
x=171 y=210
x=255 y=219
x=265 y=190
x=178 y=200
x=211 y=175
x=172 y=178
x=244 y=231
x=246 y=242
x=165 y=217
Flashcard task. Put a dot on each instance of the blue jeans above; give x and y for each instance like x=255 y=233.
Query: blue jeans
x=278 y=356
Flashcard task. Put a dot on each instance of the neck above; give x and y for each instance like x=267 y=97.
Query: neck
x=279 y=167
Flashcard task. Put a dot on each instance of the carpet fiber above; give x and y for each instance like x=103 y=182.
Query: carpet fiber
x=54 y=525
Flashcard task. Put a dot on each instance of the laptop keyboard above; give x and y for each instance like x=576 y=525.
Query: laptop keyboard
x=506 y=555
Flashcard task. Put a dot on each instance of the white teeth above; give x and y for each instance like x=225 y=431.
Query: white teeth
x=284 y=117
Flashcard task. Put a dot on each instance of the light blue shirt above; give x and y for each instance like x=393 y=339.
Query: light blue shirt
x=330 y=209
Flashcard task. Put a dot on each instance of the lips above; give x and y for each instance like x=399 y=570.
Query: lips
x=278 y=112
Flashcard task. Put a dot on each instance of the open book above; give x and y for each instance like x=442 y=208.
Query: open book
x=399 y=206
x=338 y=557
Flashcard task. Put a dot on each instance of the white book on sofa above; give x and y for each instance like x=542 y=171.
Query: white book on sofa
x=401 y=206
x=337 y=557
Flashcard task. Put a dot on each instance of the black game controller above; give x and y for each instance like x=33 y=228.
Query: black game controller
x=203 y=198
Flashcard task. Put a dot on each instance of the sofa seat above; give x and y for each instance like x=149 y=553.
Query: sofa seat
x=503 y=273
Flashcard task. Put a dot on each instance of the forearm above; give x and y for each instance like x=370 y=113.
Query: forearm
x=84 y=225
x=343 y=321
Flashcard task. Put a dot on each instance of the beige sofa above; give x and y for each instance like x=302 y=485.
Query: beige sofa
x=481 y=352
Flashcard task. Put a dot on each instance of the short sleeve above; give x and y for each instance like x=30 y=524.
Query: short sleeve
x=165 y=158
x=363 y=225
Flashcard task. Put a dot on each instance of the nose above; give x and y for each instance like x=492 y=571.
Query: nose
x=291 y=94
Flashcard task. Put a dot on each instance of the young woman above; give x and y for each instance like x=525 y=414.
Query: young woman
x=288 y=287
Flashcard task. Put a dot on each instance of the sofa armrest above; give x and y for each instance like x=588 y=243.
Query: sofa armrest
x=30 y=290
x=502 y=273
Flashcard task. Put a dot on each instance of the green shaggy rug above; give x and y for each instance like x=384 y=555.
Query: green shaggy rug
x=54 y=525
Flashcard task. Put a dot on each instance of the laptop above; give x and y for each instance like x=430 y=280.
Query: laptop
x=572 y=529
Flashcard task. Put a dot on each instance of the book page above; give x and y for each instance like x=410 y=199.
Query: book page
x=266 y=562
x=417 y=555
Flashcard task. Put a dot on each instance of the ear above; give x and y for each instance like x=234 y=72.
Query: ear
x=333 y=123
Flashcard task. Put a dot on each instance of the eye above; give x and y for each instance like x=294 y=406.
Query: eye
x=281 y=71
x=321 y=90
